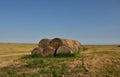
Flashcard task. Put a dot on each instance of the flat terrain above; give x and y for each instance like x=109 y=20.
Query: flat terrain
x=94 y=61
x=12 y=51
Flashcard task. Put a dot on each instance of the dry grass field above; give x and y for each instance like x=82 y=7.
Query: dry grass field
x=13 y=51
x=94 y=61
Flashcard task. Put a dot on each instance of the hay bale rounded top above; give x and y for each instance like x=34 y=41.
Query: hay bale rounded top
x=56 y=46
x=44 y=42
x=56 y=42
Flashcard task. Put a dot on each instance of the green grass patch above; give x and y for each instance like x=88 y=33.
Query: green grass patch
x=7 y=71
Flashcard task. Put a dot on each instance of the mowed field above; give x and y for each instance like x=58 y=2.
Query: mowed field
x=94 y=61
x=11 y=51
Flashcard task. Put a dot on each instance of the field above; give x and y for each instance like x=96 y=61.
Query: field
x=94 y=61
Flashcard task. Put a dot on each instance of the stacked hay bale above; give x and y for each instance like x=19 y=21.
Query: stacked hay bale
x=56 y=43
x=56 y=46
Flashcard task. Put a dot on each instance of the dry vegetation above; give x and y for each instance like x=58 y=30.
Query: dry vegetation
x=12 y=51
x=94 y=61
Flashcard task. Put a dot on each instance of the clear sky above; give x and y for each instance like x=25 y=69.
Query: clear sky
x=89 y=21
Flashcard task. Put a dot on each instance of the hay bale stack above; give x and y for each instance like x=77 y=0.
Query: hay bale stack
x=55 y=46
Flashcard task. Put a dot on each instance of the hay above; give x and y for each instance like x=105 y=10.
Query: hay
x=44 y=42
x=74 y=45
x=38 y=50
x=48 y=51
x=69 y=43
x=76 y=49
x=64 y=49
x=56 y=43
x=77 y=45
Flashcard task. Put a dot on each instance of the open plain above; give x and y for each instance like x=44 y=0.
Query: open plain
x=92 y=61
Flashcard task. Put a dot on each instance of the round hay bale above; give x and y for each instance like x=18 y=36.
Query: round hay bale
x=56 y=43
x=76 y=45
x=64 y=49
x=75 y=49
x=44 y=42
x=49 y=50
x=68 y=43
x=38 y=50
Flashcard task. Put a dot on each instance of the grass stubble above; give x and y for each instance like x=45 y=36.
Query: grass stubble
x=95 y=61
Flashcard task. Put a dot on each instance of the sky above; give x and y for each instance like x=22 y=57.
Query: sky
x=88 y=21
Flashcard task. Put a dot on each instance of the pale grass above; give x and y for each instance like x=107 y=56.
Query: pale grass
x=13 y=51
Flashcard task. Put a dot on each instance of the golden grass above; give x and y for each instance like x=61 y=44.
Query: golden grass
x=96 y=61
x=10 y=51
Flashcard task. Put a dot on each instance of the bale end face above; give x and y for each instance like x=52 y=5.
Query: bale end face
x=64 y=49
x=56 y=43
x=38 y=50
x=48 y=51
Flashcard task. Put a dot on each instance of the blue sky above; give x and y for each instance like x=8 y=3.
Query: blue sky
x=89 y=21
